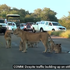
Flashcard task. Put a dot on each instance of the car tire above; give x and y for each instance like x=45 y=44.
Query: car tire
x=41 y=30
x=53 y=29
x=12 y=29
x=33 y=30
x=25 y=30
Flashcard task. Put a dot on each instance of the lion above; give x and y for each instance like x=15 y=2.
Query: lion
x=32 y=37
x=21 y=45
x=55 y=47
x=29 y=44
x=7 y=37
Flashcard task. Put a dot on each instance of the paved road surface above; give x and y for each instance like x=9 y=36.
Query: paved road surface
x=34 y=56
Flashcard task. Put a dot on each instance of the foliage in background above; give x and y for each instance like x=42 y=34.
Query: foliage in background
x=37 y=15
x=65 y=21
x=64 y=34
x=25 y=16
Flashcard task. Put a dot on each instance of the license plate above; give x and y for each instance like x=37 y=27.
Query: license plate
x=28 y=26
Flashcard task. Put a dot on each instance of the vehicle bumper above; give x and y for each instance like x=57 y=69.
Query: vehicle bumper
x=3 y=29
x=60 y=29
x=27 y=29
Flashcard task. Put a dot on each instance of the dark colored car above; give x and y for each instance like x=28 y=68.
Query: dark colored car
x=3 y=27
x=28 y=26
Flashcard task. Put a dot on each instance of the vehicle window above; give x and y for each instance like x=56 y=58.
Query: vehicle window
x=46 y=23
x=10 y=24
x=42 y=22
x=1 y=21
x=56 y=24
x=37 y=23
x=21 y=25
x=13 y=24
x=50 y=24
x=24 y=24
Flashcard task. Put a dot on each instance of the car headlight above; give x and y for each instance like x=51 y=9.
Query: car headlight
x=9 y=27
x=24 y=26
x=31 y=27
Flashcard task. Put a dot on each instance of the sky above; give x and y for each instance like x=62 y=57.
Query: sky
x=61 y=7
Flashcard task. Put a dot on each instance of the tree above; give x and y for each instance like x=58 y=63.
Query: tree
x=45 y=14
x=65 y=21
x=37 y=12
x=48 y=14
x=25 y=16
x=4 y=8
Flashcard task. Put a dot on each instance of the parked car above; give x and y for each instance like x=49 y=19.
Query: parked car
x=48 y=26
x=11 y=26
x=22 y=26
x=3 y=26
x=28 y=26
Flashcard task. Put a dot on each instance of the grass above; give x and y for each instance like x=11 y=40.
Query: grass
x=65 y=34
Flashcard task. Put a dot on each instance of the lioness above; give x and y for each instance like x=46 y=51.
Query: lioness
x=21 y=45
x=7 y=37
x=32 y=37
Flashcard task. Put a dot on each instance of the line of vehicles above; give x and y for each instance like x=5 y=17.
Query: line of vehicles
x=4 y=25
x=42 y=26
x=31 y=26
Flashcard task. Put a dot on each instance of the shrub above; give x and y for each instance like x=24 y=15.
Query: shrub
x=56 y=33
x=65 y=34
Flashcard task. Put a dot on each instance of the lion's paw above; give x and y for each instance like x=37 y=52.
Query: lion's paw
x=44 y=51
x=24 y=51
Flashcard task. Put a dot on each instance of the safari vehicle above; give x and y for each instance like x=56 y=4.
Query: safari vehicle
x=3 y=26
x=48 y=26
x=13 y=18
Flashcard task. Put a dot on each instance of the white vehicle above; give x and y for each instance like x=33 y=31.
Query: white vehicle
x=11 y=26
x=3 y=26
x=48 y=26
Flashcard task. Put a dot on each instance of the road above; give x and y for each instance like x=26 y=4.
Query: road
x=34 y=56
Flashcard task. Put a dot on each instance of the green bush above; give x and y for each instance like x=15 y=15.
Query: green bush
x=65 y=34
x=56 y=33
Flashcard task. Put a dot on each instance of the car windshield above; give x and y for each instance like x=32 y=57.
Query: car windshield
x=56 y=24
x=9 y=24
x=23 y=24
x=1 y=21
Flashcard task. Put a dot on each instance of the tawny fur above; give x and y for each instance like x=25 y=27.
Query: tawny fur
x=7 y=37
x=32 y=37
x=55 y=47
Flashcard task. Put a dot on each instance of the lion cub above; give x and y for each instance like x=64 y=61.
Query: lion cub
x=7 y=37
x=55 y=47
x=29 y=44
x=32 y=44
